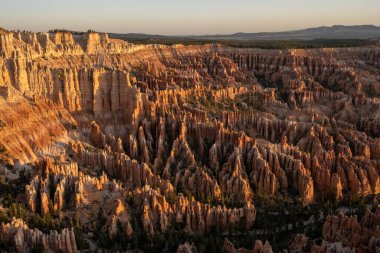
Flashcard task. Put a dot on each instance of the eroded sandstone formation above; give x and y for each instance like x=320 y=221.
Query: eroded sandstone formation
x=154 y=138
x=342 y=233
x=259 y=247
x=23 y=238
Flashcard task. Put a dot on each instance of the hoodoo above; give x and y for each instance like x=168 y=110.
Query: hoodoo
x=109 y=145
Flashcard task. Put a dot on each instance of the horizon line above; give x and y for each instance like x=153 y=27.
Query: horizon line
x=204 y=34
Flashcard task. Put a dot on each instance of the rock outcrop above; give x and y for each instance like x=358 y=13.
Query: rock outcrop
x=343 y=233
x=258 y=247
x=23 y=239
x=186 y=248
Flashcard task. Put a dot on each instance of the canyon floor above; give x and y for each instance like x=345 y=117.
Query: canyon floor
x=110 y=146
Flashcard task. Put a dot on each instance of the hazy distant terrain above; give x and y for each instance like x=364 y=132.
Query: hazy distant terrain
x=319 y=37
x=334 y=32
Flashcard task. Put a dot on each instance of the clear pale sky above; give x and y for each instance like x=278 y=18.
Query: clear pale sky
x=185 y=16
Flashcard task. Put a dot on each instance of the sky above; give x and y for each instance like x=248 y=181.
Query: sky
x=185 y=17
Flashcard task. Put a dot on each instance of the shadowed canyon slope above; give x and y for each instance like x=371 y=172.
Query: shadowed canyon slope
x=123 y=145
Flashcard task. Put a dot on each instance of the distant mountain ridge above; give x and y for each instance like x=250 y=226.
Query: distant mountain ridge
x=323 y=32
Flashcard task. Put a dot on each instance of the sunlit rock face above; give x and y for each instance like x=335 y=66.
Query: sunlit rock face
x=153 y=139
